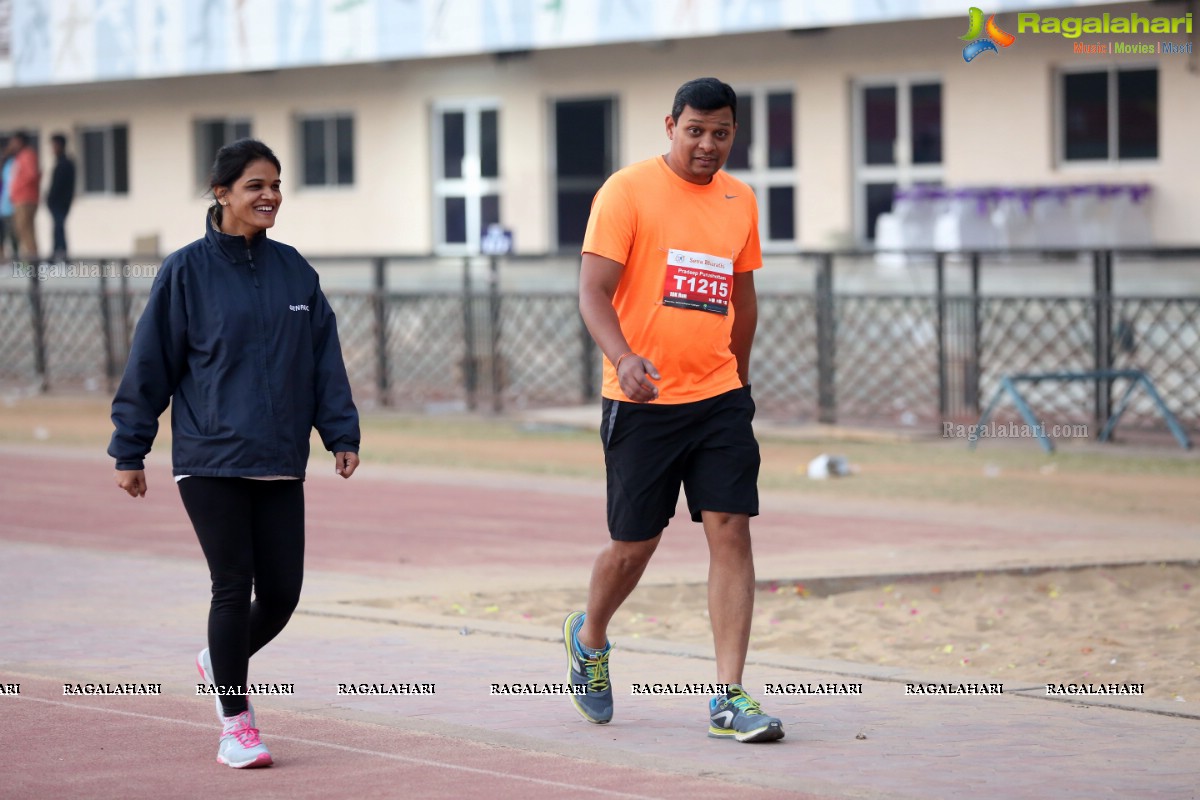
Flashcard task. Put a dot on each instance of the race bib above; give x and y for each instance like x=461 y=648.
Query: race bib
x=698 y=281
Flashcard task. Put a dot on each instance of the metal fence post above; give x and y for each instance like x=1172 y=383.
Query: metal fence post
x=587 y=350
x=38 y=325
x=494 y=332
x=106 y=325
x=379 y=301
x=1102 y=330
x=470 y=362
x=126 y=310
x=826 y=342
x=974 y=370
x=939 y=266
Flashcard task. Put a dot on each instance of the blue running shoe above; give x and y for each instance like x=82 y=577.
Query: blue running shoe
x=588 y=670
x=738 y=716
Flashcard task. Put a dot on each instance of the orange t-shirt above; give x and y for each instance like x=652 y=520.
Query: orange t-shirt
x=680 y=243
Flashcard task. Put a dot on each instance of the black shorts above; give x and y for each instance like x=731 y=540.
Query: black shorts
x=649 y=450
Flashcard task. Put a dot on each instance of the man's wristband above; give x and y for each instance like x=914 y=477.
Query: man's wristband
x=617 y=364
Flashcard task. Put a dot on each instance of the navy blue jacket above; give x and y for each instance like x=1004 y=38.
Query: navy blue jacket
x=242 y=342
x=62 y=186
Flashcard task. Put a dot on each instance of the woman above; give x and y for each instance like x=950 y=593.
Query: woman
x=8 y=230
x=239 y=338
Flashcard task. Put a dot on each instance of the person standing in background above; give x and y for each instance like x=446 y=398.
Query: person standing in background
x=23 y=190
x=61 y=194
x=8 y=231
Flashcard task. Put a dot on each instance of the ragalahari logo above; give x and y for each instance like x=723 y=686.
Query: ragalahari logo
x=992 y=36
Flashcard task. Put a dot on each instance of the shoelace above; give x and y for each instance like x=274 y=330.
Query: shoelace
x=246 y=736
x=597 y=672
x=745 y=703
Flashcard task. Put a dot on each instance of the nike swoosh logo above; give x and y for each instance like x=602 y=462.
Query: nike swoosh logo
x=730 y=196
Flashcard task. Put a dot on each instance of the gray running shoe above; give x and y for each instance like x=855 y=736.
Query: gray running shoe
x=738 y=716
x=591 y=671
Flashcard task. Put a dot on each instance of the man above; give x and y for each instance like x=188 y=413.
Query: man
x=62 y=192
x=667 y=292
x=23 y=192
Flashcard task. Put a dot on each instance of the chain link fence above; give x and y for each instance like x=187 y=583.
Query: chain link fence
x=860 y=339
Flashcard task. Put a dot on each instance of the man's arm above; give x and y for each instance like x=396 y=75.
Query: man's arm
x=598 y=279
x=70 y=181
x=745 y=321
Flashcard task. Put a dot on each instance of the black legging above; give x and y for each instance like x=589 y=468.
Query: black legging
x=252 y=534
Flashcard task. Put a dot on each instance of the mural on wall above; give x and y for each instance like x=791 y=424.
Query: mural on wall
x=79 y=41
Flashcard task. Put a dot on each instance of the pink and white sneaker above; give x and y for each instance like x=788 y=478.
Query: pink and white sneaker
x=204 y=667
x=240 y=746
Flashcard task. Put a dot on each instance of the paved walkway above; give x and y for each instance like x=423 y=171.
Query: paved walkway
x=97 y=587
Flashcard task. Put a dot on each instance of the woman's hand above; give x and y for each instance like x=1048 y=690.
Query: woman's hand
x=345 y=463
x=132 y=481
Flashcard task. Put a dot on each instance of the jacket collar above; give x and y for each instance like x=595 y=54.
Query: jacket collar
x=232 y=248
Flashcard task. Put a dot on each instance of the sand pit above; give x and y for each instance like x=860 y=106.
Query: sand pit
x=1131 y=624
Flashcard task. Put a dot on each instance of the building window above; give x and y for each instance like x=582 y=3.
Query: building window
x=584 y=135
x=1109 y=115
x=105 y=159
x=211 y=136
x=763 y=155
x=327 y=150
x=897 y=143
x=466 y=173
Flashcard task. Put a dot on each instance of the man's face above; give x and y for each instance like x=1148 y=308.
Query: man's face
x=700 y=142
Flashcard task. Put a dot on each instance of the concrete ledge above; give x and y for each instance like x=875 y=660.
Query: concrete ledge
x=1023 y=688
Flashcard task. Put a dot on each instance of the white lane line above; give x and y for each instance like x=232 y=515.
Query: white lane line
x=427 y=762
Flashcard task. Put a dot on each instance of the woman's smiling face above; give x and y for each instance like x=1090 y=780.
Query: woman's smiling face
x=251 y=203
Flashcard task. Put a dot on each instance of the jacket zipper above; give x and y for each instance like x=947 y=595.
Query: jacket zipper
x=253 y=271
x=266 y=367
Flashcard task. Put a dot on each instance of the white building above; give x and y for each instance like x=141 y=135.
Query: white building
x=405 y=126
